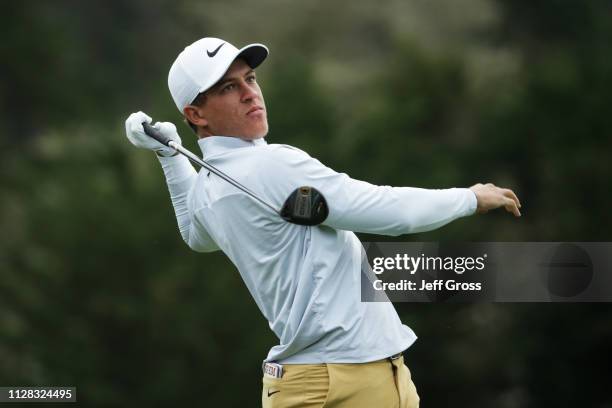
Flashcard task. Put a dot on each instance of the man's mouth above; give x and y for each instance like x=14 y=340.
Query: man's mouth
x=254 y=109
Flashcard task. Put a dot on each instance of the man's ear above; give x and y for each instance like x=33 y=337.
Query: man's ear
x=194 y=115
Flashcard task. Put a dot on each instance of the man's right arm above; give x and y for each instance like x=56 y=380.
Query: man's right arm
x=180 y=177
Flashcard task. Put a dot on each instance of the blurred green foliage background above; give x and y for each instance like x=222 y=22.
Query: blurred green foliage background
x=97 y=289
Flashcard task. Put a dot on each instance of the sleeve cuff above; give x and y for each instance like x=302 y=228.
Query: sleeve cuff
x=472 y=201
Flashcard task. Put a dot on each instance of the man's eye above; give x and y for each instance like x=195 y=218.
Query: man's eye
x=228 y=87
x=251 y=78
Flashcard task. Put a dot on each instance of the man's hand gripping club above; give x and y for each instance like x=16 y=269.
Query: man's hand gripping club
x=137 y=136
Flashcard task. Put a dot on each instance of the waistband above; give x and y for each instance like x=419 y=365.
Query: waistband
x=276 y=370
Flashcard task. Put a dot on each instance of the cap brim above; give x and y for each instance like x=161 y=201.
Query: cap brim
x=253 y=54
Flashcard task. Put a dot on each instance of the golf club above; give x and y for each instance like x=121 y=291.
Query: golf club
x=304 y=206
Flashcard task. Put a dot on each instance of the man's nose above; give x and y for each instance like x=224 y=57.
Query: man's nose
x=248 y=93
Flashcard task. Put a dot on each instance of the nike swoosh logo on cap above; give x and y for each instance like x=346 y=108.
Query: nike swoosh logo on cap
x=213 y=53
x=272 y=393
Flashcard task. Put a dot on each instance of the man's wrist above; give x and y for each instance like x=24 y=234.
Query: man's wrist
x=160 y=154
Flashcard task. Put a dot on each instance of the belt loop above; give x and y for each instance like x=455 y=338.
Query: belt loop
x=395 y=357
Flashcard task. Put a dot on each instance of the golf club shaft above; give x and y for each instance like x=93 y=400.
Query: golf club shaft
x=157 y=135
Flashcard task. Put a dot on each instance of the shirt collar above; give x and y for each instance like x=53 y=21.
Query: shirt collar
x=217 y=144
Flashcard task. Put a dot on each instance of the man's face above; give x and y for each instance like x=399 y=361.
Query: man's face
x=235 y=105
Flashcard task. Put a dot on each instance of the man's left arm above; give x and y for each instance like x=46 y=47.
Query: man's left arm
x=359 y=206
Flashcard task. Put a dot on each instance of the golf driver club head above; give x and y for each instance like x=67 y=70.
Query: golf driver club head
x=305 y=206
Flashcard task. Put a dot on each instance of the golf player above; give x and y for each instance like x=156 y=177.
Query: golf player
x=333 y=350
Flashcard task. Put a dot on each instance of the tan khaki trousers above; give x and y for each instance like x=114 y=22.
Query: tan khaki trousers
x=380 y=384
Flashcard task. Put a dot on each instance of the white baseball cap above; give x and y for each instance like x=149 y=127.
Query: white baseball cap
x=201 y=64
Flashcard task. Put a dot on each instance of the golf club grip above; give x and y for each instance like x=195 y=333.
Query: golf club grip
x=155 y=134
